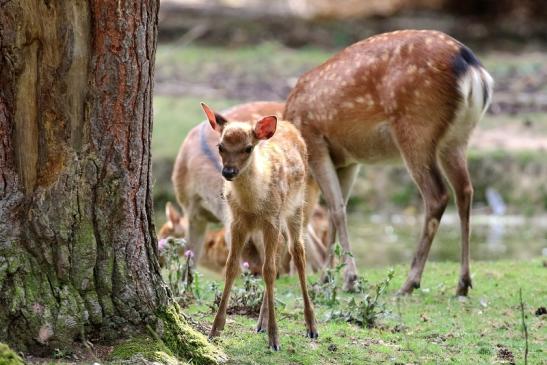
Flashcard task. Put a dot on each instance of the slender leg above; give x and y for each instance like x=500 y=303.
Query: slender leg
x=299 y=257
x=197 y=226
x=454 y=165
x=262 y=323
x=418 y=147
x=272 y=236
x=315 y=249
x=232 y=269
x=435 y=197
x=325 y=174
x=346 y=178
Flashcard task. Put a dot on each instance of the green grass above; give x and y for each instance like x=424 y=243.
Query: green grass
x=437 y=328
x=198 y=61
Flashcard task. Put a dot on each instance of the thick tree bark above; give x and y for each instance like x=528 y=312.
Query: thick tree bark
x=78 y=256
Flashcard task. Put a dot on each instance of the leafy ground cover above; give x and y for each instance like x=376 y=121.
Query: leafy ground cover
x=430 y=327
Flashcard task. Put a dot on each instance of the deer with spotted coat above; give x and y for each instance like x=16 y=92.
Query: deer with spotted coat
x=411 y=95
x=264 y=165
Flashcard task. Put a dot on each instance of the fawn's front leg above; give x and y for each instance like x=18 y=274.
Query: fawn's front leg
x=232 y=269
x=272 y=236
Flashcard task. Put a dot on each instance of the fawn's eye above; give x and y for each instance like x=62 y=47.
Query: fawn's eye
x=249 y=149
x=220 y=148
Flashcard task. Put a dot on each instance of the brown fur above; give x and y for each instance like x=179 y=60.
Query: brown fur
x=265 y=198
x=215 y=249
x=198 y=188
x=390 y=97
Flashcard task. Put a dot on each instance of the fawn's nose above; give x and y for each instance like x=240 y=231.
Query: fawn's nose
x=229 y=172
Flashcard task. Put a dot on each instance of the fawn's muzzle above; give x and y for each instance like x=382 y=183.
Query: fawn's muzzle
x=229 y=172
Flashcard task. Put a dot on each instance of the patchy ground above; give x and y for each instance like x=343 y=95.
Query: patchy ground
x=431 y=326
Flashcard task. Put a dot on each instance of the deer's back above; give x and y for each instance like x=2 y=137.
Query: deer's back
x=354 y=98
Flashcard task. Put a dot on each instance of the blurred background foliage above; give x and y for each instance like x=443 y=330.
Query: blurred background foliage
x=231 y=51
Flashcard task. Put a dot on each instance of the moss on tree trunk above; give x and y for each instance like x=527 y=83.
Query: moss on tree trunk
x=78 y=253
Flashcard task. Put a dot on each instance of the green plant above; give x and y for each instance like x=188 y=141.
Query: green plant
x=368 y=306
x=244 y=300
x=180 y=273
x=326 y=291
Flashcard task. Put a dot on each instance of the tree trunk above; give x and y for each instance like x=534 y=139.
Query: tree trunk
x=78 y=253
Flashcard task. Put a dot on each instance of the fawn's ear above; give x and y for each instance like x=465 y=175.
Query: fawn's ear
x=171 y=213
x=265 y=128
x=217 y=121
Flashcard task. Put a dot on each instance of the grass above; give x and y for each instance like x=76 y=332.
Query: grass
x=433 y=327
x=198 y=61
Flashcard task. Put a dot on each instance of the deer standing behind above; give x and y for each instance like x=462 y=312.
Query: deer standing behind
x=198 y=184
x=415 y=95
x=264 y=164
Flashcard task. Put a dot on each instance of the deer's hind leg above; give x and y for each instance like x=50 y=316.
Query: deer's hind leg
x=419 y=153
x=324 y=172
x=454 y=164
x=346 y=178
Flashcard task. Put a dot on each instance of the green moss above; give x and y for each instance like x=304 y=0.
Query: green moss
x=144 y=348
x=184 y=341
x=8 y=356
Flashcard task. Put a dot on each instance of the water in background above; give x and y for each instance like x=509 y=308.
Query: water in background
x=380 y=240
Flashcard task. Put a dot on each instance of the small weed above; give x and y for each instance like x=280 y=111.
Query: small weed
x=62 y=354
x=364 y=308
x=368 y=305
x=244 y=300
x=326 y=291
x=180 y=273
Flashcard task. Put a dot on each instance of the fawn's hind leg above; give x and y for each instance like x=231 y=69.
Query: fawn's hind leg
x=299 y=257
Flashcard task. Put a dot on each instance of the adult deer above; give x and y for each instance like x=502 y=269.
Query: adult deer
x=415 y=95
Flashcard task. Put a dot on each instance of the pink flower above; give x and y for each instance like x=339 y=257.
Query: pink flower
x=189 y=254
x=246 y=265
x=162 y=243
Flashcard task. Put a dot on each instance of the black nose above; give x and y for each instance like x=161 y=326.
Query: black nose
x=229 y=172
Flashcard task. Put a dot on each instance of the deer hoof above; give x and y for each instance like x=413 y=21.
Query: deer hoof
x=275 y=347
x=313 y=334
x=408 y=288
x=349 y=283
x=214 y=333
x=463 y=287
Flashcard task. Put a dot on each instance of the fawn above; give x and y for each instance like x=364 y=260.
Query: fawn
x=197 y=178
x=198 y=182
x=415 y=95
x=264 y=165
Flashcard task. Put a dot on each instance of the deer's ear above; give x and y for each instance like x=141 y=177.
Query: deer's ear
x=217 y=121
x=265 y=127
x=171 y=213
